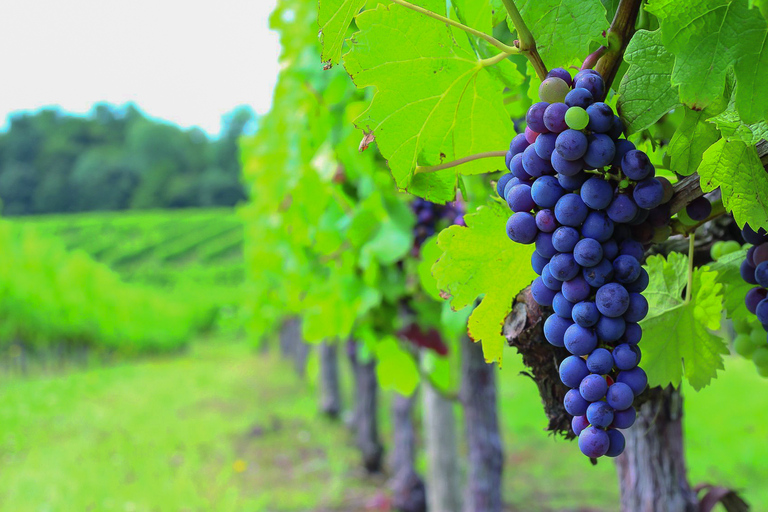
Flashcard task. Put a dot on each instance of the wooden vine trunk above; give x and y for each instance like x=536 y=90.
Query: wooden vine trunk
x=366 y=407
x=481 y=421
x=330 y=396
x=408 y=492
x=444 y=490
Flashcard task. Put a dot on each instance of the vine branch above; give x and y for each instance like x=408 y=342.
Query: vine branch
x=508 y=50
x=526 y=43
x=619 y=34
x=434 y=168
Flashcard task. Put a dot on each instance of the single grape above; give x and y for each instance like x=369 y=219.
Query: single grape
x=519 y=198
x=600 y=361
x=747 y=272
x=753 y=237
x=553 y=90
x=554 y=117
x=580 y=341
x=635 y=378
x=576 y=289
x=759 y=254
x=538 y=262
x=636 y=165
x=530 y=135
x=573 y=370
x=521 y=228
x=633 y=333
x=585 y=314
x=626 y=269
x=754 y=296
x=535 y=117
x=610 y=249
x=545 y=220
x=593 y=83
x=600 y=151
x=534 y=165
x=517 y=169
x=622 y=209
x=699 y=209
x=508 y=158
x=600 y=117
x=597 y=225
x=612 y=300
x=610 y=329
x=600 y=414
x=545 y=145
x=593 y=387
x=565 y=238
x=616 y=443
x=638 y=308
x=588 y=252
x=761 y=311
x=579 y=97
x=626 y=357
x=570 y=210
x=578 y=423
x=562 y=306
x=518 y=144
x=617 y=128
x=600 y=274
x=597 y=193
x=564 y=267
x=669 y=190
x=549 y=280
x=554 y=330
x=572 y=183
x=584 y=72
x=565 y=167
x=574 y=404
x=546 y=191
x=541 y=294
x=594 y=442
x=571 y=145
x=576 y=118
x=649 y=193
x=544 y=245
x=625 y=418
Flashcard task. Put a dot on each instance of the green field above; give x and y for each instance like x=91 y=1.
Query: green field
x=221 y=428
x=163 y=248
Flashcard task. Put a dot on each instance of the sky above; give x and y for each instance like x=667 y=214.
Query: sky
x=184 y=61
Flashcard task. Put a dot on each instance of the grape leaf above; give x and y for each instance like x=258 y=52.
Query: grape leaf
x=709 y=37
x=563 y=29
x=430 y=253
x=691 y=139
x=735 y=167
x=395 y=368
x=676 y=335
x=646 y=92
x=435 y=101
x=480 y=260
x=733 y=128
x=760 y=4
x=334 y=17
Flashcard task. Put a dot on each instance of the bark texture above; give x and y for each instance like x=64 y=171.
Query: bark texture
x=444 y=490
x=652 y=472
x=365 y=421
x=330 y=396
x=408 y=493
x=485 y=455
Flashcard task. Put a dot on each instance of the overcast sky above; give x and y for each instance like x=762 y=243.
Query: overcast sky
x=185 y=61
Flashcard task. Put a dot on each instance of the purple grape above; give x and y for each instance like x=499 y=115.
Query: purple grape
x=610 y=329
x=521 y=228
x=636 y=165
x=610 y=249
x=572 y=182
x=594 y=442
x=616 y=443
x=761 y=311
x=570 y=210
x=541 y=294
x=544 y=245
x=516 y=168
x=585 y=314
x=566 y=167
x=563 y=267
x=577 y=289
x=519 y=198
x=593 y=388
x=565 y=238
x=573 y=370
x=600 y=274
x=578 y=423
x=622 y=209
x=546 y=191
x=562 y=74
x=617 y=128
x=549 y=280
x=580 y=341
x=545 y=220
x=747 y=272
x=503 y=181
x=698 y=209
x=626 y=269
x=574 y=403
x=579 y=97
x=632 y=333
x=649 y=193
x=562 y=306
x=554 y=330
x=638 y=308
x=612 y=300
x=518 y=144
x=593 y=83
x=626 y=356
x=571 y=144
x=597 y=225
x=554 y=117
x=600 y=361
x=534 y=165
x=588 y=252
x=752 y=237
x=545 y=145
x=753 y=298
x=535 y=117
x=623 y=146
x=597 y=193
x=600 y=117
x=625 y=418
x=600 y=414
x=600 y=151
x=635 y=379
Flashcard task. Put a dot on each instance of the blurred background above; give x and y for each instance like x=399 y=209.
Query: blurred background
x=128 y=377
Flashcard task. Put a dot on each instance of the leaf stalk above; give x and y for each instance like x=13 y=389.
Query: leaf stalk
x=434 y=168
x=526 y=43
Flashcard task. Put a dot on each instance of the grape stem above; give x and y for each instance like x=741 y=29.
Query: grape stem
x=678 y=228
x=526 y=43
x=508 y=50
x=689 y=288
x=593 y=57
x=434 y=168
x=619 y=34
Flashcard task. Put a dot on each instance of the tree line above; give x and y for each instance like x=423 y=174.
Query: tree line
x=116 y=158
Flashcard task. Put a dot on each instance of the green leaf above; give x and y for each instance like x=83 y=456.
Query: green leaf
x=480 y=260
x=727 y=268
x=430 y=253
x=435 y=102
x=646 y=92
x=334 y=17
x=733 y=128
x=563 y=29
x=709 y=37
x=760 y=4
x=395 y=368
x=736 y=169
x=676 y=335
x=691 y=139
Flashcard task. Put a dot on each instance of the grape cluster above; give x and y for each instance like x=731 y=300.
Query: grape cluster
x=429 y=215
x=751 y=342
x=591 y=203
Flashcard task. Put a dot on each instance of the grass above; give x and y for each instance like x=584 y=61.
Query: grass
x=222 y=428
